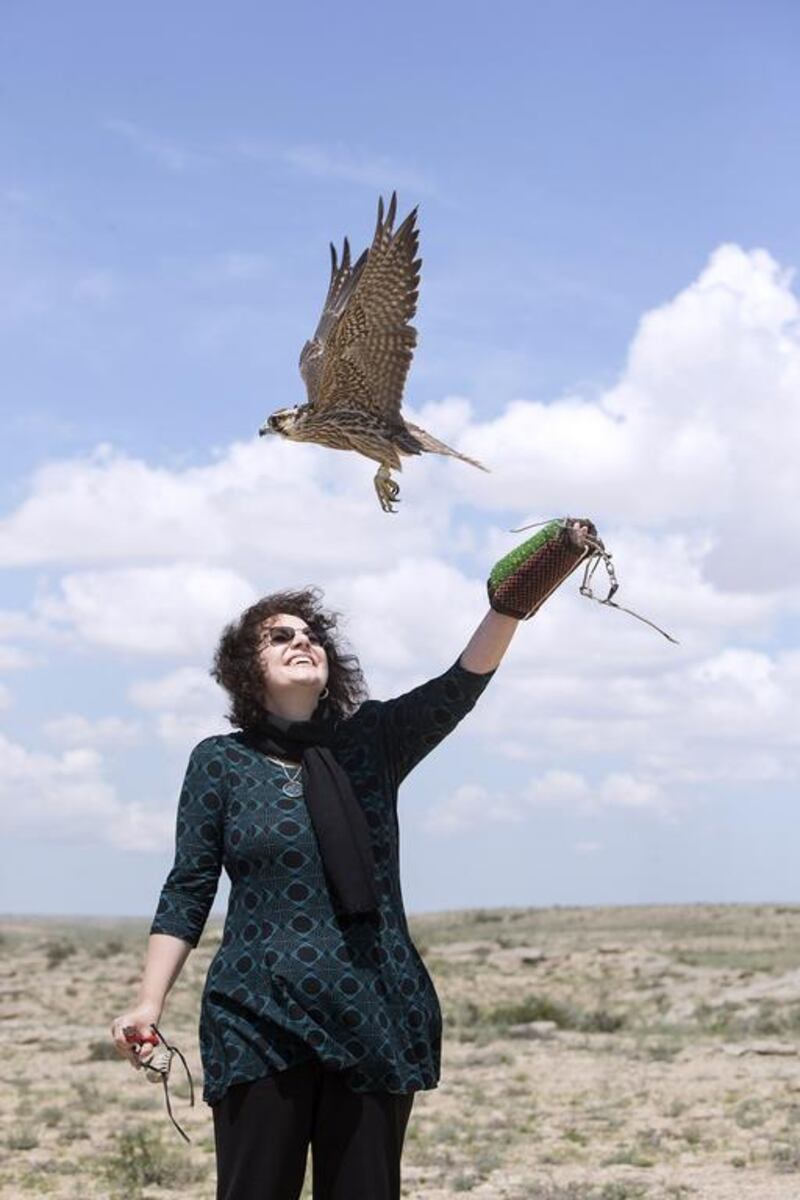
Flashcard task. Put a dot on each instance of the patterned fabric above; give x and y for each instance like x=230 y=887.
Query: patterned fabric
x=292 y=979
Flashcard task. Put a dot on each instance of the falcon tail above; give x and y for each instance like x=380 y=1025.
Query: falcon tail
x=428 y=442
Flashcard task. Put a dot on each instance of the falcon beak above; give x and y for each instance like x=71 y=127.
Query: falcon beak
x=266 y=428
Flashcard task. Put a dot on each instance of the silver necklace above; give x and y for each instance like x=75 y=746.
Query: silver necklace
x=291 y=785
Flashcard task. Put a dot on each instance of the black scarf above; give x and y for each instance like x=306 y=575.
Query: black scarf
x=337 y=817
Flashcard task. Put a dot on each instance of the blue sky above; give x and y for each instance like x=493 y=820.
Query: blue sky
x=608 y=318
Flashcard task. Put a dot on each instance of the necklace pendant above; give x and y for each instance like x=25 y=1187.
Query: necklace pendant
x=292 y=787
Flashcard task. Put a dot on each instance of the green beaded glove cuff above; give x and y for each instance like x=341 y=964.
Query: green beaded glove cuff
x=520 y=583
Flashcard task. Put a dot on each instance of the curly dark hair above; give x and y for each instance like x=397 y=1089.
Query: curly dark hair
x=237 y=670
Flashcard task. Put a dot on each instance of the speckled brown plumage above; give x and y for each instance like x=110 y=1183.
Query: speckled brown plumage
x=355 y=366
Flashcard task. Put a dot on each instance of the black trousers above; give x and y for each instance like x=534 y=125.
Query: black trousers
x=262 y=1131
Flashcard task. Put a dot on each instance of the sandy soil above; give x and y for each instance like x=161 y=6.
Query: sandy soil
x=590 y=1054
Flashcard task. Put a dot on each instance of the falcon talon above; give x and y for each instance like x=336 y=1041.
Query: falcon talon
x=355 y=365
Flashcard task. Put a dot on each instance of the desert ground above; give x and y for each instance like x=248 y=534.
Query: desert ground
x=638 y=1053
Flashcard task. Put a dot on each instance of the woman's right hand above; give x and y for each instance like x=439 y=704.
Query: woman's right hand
x=141 y=1018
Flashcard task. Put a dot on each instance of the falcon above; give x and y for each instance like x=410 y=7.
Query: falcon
x=355 y=365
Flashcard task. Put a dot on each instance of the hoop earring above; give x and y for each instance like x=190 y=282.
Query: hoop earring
x=323 y=694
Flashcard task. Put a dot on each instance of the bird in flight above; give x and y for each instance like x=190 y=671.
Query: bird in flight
x=355 y=365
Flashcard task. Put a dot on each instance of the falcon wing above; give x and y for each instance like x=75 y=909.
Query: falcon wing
x=340 y=287
x=368 y=350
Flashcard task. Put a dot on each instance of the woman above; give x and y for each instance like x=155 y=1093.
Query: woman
x=319 y=1020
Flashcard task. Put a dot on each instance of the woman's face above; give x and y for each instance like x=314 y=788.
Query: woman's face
x=292 y=662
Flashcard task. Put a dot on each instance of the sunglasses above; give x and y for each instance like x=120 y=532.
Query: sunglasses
x=282 y=635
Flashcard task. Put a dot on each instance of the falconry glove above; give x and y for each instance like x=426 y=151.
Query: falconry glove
x=519 y=583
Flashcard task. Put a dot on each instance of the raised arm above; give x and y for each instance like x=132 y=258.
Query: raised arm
x=413 y=724
x=485 y=649
x=518 y=585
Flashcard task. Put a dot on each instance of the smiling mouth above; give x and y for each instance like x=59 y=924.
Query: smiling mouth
x=304 y=660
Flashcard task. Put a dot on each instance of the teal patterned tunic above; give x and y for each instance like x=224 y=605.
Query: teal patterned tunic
x=294 y=979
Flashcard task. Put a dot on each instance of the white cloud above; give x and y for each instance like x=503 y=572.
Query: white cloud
x=69 y=797
x=12 y=658
x=700 y=430
x=24 y=626
x=285 y=507
x=170 y=610
x=470 y=806
x=687 y=464
x=187 y=688
x=621 y=789
x=561 y=788
x=76 y=730
x=181 y=731
x=726 y=717
x=19 y=624
x=685 y=444
x=187 y=705
x=417 y=612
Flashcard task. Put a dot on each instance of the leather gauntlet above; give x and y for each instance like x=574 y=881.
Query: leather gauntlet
x=520 y=583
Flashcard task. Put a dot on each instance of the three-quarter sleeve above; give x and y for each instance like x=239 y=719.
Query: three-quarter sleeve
x=414 y=723
x=190 y=887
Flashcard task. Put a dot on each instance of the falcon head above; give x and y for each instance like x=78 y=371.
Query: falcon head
x=282 y=421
